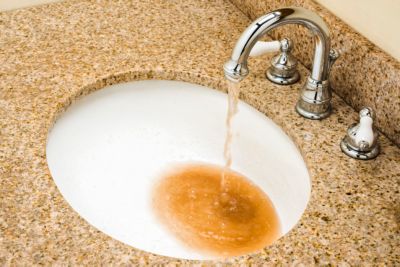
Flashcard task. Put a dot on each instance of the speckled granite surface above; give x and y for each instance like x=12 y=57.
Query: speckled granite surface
x=364 y=75
x=51 y=55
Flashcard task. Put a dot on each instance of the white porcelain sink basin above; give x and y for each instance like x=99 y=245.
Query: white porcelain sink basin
x=106 y=151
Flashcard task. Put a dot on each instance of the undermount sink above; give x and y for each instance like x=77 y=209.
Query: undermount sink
x=107 y=150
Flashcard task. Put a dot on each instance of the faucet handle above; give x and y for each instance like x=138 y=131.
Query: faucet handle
x=283 y=68
x=361 y=140
x=260 y=48
x=333 y=56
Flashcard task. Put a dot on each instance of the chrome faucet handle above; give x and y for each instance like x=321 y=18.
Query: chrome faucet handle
x=283 y=68
x=361 y=140
x=333 y=56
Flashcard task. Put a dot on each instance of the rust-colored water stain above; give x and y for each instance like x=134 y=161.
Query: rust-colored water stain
x=225 y=219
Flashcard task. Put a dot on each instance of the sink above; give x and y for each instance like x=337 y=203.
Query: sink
x=108 y=149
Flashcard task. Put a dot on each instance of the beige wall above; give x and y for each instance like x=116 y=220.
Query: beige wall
x=13 y=4
x=378 y=20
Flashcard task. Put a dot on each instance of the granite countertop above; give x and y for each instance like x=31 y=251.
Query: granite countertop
x=53 y=54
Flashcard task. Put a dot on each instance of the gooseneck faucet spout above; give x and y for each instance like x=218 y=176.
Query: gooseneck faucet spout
x=316 y=95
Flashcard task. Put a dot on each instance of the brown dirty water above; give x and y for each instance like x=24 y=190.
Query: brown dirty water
x=223 y=219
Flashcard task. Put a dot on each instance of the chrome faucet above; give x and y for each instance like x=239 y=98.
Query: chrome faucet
x=315 y=99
